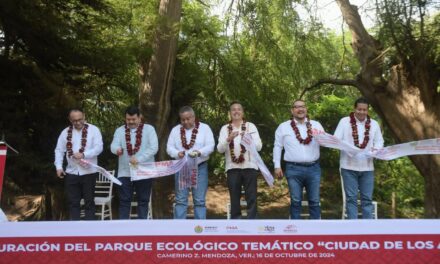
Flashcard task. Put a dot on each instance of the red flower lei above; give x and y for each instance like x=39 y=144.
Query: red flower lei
x=240 y=158
x=354 y=131
x=69 y=144
x=137 y=145
x=309 y=137
x=193 y=136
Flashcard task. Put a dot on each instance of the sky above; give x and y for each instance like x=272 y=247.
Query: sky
x=331 y=17
x=327 y=10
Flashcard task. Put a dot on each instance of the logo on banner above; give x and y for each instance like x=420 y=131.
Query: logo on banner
x=235 y=229
x=290 y=229
x=212 y=229
x=198 y=229
x=266 y=229
x=207 y=229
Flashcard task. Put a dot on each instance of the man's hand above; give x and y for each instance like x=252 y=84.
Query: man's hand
x=232 y=136
x=279 y=173
x=60 y=173
x=181 y=154
x=195 y=154
x=78 y=155
x=133 y=160
x=119 y=151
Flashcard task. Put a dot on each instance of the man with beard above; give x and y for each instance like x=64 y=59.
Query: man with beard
x=134 y=142
x=301 y=157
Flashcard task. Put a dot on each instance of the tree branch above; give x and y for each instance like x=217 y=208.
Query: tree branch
x=329 y=81
x=203 y=3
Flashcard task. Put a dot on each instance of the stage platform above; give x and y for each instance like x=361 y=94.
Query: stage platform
x=221 y=241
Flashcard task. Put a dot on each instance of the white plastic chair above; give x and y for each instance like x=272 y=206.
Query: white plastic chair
x=344 y=202
x=103 y=197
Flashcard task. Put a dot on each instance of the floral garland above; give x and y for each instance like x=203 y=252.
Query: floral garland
x=309 y=137
x=137 y=145
x=69 y=144
x=193 y=136
x=240 y=158
x=355 y=134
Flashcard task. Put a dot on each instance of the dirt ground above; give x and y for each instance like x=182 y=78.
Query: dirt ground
x=276 y=208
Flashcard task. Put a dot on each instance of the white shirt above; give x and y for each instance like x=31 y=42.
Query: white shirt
x=344 y=132
x=294 y=151
x=223 y=147
x=91 y=151
x=204 y=142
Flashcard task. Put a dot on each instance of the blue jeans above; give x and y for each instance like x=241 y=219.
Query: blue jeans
x=299 y=177
x=198 y=194
x=143 y=191
x=364 y=182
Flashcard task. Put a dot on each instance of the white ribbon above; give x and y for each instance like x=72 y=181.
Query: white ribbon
x=421 y=147
x=249 y=144
x=186 y=166
x=103 y=171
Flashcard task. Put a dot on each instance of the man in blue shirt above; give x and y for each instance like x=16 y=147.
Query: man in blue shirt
x=134 y=143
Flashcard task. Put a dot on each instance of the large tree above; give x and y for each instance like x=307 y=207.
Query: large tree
x=156 y=74
x=400 y=78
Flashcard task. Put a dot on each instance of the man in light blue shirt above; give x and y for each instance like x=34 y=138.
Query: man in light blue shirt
x=134 y=143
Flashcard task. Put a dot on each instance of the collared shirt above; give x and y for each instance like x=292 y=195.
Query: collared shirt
x=223 y=147
x=294 y=151
x=204 y=142
x=91 y=151
x=147 y=150
x=344 y=132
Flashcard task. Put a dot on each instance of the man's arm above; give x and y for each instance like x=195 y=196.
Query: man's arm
x=209 y=143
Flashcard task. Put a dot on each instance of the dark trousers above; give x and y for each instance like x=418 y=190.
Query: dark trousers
x=143 y=190
x=248 y=179
x=78 y=187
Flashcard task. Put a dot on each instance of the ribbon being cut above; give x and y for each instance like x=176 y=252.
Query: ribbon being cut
x=421 y=147
x=187 y=167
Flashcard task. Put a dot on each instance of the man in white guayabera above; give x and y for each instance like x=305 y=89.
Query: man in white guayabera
x=241 y=167
x=357 y=172
x=195 y=140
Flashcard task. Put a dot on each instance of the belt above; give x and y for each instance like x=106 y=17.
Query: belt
x=303 y=164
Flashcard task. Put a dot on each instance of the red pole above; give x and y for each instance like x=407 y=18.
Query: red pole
x=3 y=151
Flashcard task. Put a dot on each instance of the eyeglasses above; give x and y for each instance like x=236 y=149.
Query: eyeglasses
x=77 y=120
x=299 y=106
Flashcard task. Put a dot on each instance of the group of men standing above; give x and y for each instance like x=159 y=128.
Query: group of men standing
x=136 y=142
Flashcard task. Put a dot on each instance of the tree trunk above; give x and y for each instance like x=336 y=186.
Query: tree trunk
x=408 y=101
x=156 y=75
